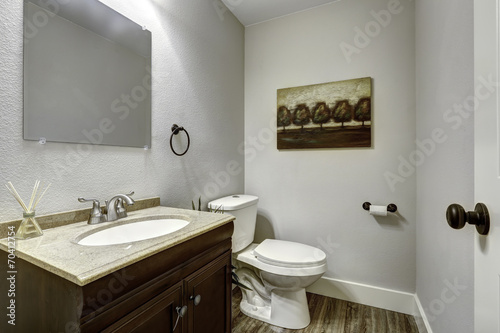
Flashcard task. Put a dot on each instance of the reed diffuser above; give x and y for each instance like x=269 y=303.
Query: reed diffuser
x=29 y=227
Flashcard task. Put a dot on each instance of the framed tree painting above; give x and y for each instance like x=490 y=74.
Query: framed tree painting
x=328 y=115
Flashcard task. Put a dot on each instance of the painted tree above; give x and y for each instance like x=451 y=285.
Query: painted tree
x=284 y=117
x=362 y=111
x=321 y=114
x=342 y=112
x=301 y=115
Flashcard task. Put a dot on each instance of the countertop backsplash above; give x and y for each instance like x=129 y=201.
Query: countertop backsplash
x=74 y=216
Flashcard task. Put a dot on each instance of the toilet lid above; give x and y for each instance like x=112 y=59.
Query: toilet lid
x=289 y=254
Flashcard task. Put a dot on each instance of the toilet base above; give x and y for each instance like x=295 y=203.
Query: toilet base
x=288 y=309
x=262 y=313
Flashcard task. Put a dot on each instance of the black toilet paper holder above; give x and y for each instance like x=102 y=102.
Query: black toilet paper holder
x=390 y=207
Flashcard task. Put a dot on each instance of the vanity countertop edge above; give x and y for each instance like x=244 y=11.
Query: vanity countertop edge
x=57 y=250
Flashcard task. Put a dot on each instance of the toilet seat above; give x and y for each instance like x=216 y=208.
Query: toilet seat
x=279 y=267
x=289 y=254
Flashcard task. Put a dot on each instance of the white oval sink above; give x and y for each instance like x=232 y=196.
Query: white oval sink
x=133 y=232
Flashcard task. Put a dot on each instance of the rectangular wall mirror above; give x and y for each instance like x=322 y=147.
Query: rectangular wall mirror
x=87 y=75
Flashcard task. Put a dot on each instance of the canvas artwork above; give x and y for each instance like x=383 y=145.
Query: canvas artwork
x=328 y=115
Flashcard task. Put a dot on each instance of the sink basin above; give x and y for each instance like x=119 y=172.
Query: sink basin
x=133 y=232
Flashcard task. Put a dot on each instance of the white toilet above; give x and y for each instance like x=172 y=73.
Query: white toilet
x=277 y=271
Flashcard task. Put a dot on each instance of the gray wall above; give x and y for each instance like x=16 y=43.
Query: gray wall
x=308 y=196
x=445 y=69
x=197 y=83
x=314 y=196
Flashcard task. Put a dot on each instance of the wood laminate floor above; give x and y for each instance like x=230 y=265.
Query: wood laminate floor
x=330 y=315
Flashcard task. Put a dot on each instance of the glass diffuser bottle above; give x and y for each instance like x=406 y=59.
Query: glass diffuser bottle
x=29 y=227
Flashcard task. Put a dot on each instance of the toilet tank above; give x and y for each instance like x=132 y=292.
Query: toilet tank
x=244 y=208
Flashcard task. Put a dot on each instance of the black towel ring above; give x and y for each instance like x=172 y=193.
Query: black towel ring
x=175 y=130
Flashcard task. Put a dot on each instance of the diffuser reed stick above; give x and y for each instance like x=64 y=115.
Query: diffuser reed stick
x=35 y=188
x=41 y=195
x=13 y=191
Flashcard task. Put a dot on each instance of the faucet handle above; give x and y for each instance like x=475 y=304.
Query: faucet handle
x=96 y=215
x=120 y=209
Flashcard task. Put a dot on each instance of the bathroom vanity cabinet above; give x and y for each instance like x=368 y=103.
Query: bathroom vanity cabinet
x=142 y=297
x=203 y=293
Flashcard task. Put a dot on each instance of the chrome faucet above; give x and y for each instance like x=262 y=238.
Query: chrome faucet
x=114 y=208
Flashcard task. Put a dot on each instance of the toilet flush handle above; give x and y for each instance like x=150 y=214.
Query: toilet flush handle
x=196 y=299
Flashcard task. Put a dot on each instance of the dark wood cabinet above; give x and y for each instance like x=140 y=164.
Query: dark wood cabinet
x=209 y=295
x=142 y=297
x=206 y=294
x=157 y=315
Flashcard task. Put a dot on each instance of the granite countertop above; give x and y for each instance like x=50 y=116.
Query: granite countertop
x=57 y=250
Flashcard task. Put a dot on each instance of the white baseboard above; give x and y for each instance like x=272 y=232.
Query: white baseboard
x=365 y=294
x=421 y=318
x=388 y=299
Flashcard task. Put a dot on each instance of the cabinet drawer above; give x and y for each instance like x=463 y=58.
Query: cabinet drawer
x=157 y=315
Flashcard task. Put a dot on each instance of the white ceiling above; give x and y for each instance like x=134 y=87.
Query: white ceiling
x=251 y=12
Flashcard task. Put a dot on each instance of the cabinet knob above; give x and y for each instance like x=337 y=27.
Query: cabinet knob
x=457 y=217
x=181 y=312
x=196 y=299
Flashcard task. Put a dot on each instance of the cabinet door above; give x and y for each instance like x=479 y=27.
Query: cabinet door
x=208 y=295
x=157 y=315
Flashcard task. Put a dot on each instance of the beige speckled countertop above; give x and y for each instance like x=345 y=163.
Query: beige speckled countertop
x=57 y=250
